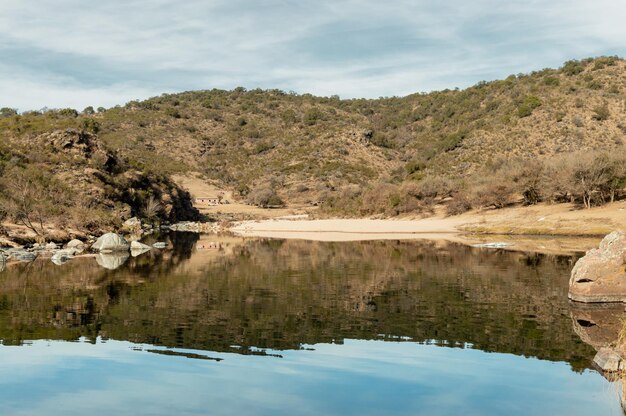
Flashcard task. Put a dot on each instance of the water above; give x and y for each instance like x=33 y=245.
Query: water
x=291 y=327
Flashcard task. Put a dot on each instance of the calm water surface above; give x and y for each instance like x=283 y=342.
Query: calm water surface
x=236 y=327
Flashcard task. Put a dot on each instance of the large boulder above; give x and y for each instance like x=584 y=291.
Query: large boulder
x=600 y=276
x=111 y=242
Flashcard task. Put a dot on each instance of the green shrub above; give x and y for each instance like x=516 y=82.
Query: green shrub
x=527 y=106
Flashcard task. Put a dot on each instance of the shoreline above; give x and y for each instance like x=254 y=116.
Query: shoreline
x=437 y=230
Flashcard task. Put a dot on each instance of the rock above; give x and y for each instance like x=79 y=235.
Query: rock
x=51 y=246
x=111 y=242
x=159 y=245
x=136 y=245
x=600 y=276
x=62 y=257
x=492 y=245
x=132 y=224
x=608 y=360
x=24 y=256
x=136 y=252
x=112 y=261
x=196 y=227
x=3 y=263
x=75 y=244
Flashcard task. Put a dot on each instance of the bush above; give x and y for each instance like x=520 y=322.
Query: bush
x=601 y=112
x=527 y=106
x=7 y=112
x=572 y=68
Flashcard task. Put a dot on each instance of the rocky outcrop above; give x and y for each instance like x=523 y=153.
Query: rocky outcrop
x=111 y=242
x=600 y=276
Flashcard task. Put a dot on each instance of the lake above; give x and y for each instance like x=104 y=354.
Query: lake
x=233 y=326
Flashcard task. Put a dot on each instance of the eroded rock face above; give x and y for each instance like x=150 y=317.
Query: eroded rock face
x=600 y=276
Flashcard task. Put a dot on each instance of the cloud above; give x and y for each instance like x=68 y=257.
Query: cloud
x=103 y=53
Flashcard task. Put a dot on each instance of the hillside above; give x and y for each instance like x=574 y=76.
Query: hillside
x=492 y=144
x=65 y=184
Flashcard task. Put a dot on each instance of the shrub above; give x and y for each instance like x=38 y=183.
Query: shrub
x=527 y=106
x=601 y=112
x=7 y=112
x=572 y=68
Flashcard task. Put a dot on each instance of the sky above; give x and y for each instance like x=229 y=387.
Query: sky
x=75 y=53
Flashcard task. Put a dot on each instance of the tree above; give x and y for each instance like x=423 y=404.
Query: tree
x=32 y=198
x=89 y=110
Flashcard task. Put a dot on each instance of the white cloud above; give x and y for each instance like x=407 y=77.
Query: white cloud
x=352 y=48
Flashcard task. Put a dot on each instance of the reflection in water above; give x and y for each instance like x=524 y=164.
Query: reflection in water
x=601 y=325
x=235 y=297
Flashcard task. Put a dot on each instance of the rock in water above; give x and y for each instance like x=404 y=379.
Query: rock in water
x=600 y=276
x=111 y=242
x=112 y=261
x=77 y=245
x=136 y=245
x=62 y=257
x=24 y=256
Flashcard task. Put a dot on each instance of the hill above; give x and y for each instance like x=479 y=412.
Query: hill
x=551 y=135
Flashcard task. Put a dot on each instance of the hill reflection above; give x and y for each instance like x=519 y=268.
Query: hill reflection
x=238 y=295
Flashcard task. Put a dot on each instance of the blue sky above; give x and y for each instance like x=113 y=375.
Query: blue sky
x=76 y=53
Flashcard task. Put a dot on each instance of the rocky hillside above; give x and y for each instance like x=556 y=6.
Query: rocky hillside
x=69 y=180
x=311 y=149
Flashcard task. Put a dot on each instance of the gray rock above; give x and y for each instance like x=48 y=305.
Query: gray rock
x=132 y=224
x=159 y=245
x=51 y=246
x=24 y=256
x=75 y=244
x=136 y=252
x=62 y=257
x=607 y=360
x=111 y=242
x=112 y=261
x=136 y=245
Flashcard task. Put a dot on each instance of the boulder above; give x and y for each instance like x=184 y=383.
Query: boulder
x=132 y=224
x=111 y=242
x=75 y=244
x=51 y=246
x=600 y=276
x=136 y=245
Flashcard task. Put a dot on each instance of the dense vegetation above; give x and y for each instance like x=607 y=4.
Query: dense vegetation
x=492 y=144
